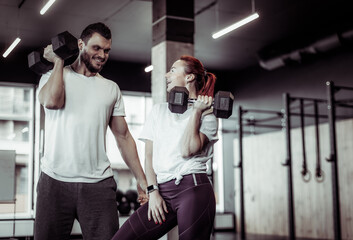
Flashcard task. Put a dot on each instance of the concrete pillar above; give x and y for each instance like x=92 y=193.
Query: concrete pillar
x=164 y=54
x=173 y=36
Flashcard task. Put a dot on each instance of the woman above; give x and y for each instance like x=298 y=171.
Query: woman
x=177 y=149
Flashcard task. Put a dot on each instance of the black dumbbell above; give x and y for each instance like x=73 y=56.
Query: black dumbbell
x=222 y=105
x=132 y=195
x=124 y=208
x=64 y=45
x=119 y=195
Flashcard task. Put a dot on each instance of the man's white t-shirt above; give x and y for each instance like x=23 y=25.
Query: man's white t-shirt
x=75 y=147
x=166 y=129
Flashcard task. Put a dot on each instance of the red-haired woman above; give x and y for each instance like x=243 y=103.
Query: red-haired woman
x=177 y=149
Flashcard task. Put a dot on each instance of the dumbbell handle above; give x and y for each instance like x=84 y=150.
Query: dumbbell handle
x=192 y=100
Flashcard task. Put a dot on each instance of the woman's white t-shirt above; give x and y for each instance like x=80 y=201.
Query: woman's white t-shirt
x=166 y=129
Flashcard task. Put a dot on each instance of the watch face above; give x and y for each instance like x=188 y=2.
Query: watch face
x=151 y=188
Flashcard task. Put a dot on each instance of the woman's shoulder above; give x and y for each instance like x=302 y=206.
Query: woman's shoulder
x=160 y=106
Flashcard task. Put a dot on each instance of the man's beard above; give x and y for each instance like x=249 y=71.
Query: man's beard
x=86 y=59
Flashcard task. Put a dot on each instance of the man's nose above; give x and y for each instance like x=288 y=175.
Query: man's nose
x=101 y=53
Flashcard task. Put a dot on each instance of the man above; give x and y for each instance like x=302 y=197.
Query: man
x=76 y=180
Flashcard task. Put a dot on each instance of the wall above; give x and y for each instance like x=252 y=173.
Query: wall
x=257 y=88
x=265 y=183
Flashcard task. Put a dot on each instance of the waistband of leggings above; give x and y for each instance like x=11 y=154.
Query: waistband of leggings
x=198 y=178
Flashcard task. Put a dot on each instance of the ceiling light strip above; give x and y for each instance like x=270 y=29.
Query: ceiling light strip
x=46 y=7
x=149 y=68
x=12 y=46
x=235 y=25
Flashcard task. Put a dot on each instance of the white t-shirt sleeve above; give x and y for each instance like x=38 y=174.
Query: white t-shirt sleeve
x=209 y=127
x=119 y=108
x=43 y=80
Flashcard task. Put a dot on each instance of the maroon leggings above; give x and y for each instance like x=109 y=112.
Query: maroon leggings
x=191 y=205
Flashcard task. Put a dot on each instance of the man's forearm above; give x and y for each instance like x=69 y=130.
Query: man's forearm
x=128 y=150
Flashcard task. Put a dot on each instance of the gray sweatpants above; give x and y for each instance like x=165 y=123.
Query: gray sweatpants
x=60 y=203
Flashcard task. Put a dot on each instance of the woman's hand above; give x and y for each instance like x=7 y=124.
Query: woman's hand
x=203 y=103
x=156 y=207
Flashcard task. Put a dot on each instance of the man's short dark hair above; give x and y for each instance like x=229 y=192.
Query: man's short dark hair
x=98 y=27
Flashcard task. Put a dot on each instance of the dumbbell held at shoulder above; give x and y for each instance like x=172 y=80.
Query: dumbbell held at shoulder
x=222 y=104
x=63 y=46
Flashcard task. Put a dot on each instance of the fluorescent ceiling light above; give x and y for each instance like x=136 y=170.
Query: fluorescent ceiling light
x=46 y=6
x=12 y=46
x=235 y=25
x=149 y=68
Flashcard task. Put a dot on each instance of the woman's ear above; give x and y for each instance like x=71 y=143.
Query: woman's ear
x=190 y=78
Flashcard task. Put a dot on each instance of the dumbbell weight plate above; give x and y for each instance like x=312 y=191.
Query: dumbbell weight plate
x=65 y=45
x=37 y=63
x=223 y=104
x=178 y=99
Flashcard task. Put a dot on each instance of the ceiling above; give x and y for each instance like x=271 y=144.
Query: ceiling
x=283 y=26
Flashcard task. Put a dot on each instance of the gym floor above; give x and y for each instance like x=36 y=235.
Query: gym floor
x=236 y=236
x=215 y=236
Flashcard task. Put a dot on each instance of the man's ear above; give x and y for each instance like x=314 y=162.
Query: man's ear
x=81 y=44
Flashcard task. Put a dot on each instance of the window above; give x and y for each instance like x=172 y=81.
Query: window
x=17 y=133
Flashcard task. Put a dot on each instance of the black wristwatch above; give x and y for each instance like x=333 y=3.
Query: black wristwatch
x=151 y=188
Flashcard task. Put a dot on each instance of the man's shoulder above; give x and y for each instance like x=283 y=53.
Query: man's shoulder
x=107 y=81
